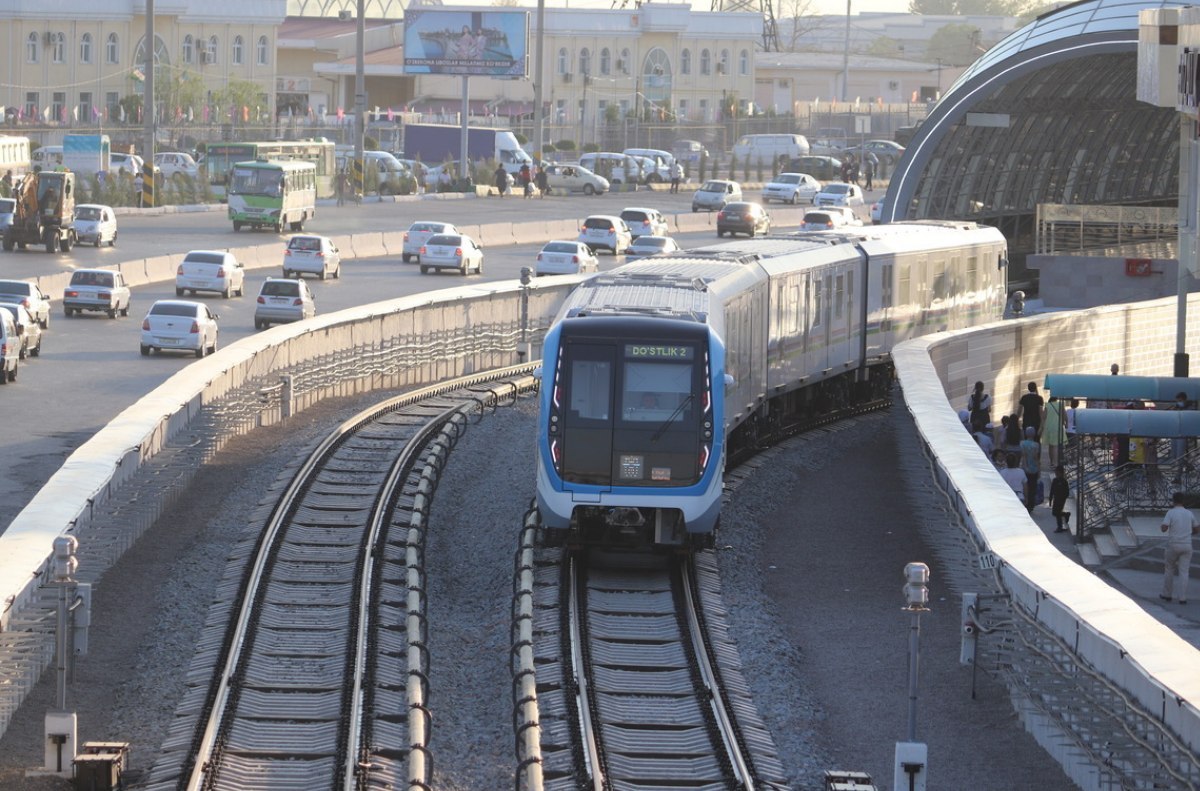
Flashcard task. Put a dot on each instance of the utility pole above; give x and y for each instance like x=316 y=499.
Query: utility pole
x=539 y=120
x=360 y=99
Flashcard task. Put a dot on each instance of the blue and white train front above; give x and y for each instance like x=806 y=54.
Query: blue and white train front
x=630 y=445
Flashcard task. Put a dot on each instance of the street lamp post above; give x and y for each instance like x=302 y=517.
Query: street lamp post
x=360 y=98
x=911 y=756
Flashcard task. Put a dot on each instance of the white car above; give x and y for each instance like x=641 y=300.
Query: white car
x=312 y=255
x=575 y=178
x=283 y=300
x=96 y=224
x=829 y=218
x=418 y=234
x=715 y=193
x=839 y=193
x=645 y=222
x=130 y=164
x=565 y=258
x=791 y=188
x=607 y=231
x=172 y=163
x=210 y=270
x=27 y=327
x=178 y=324
x=648 y=246
x=29 y=295
x=452 y=251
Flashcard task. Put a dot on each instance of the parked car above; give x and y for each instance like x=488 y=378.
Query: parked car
x=688 y=150
x=715 y=193
x=128 y=164
x=645 y=222
x=210 y=270
x=7 y=207
x=173 y=163
x=419 y=170
x=102 y=290
x=839 y=193
x=312 y=255
x=649 y=246
x=451 y=251
x=888 y=151
x=607 y=231
x=96 y=224
x=791 y=188
x=10 y=348
x=768 y=149
x=28 y=329
x=282 y=300
x=828 y=146
x=575 y=178
x=741 y=217
x=565 y=258
x=29 y=295
x=419 y=233
x=178 y=324
x=822 y=168
x=829 y=218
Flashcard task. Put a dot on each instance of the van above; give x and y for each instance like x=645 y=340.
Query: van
x=664 y=162
x=46 y=158
x=768 y=149
x=613 y=167
x=386 y=166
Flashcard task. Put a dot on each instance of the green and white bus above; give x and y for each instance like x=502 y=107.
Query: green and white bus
x=219 y=158
x=272 y=194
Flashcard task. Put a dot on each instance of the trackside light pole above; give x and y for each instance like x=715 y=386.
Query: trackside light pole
x=911 y=756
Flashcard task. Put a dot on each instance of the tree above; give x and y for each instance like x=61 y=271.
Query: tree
x=236 y=95
x=966 y=7
x=932 y=7
x=885 y=47
x=178 y=89
x=955 y=44
x=796 y=19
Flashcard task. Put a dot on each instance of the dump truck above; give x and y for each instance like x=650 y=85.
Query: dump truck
x=44 y=213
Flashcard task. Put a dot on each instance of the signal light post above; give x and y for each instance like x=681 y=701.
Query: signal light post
x=911 y=756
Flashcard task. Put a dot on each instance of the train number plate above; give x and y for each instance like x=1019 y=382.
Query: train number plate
x=632 y=467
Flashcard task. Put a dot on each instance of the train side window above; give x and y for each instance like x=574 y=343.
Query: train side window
x=817 y=302
x=839 y=296
x=905 y=284
x=885 y=291
x=972 y=272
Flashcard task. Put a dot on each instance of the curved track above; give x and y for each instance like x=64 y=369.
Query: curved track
x=319 y=680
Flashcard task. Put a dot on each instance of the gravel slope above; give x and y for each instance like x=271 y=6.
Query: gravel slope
x=812 y=582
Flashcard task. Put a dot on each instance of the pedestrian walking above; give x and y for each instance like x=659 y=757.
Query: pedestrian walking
x=1180 y=526
x=1060 y=490
x=526 y=179
x=6 y=183
x=501 y=180
x=341 y=187
x=1031 y=465
x=676 y=176
x=1029 y=408
x=543 y=182
x=138 y=184
x=979 y=404
x=869 y=163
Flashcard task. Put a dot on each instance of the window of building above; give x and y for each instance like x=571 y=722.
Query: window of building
x=31 y=48
x=212 y=49
x=703 y=110
x=58 y=105
x=705 y=62
x=605 y=61
x=585 y=61
x=263 y=53
x=564 y=61
x=112 y=106
x=723 y=65
x=683 y=109
x=85 y=106
x=110 y=49
x=238 y=46
x=624 y=69
x=560 y=111
x=189 y=49
x=685 y=62
x=59 y=52
x=32 y=99
x=85 y=48
x=744 y=63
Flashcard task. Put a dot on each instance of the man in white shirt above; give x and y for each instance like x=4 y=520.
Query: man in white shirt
x=1014 y=476
x=1180 y=526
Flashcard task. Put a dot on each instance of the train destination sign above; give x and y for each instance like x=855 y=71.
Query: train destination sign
x=645 y=352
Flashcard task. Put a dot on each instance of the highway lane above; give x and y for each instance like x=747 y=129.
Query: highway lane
x=90 y=368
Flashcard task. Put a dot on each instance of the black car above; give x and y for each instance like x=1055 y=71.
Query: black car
x=823 y=168
x=748 y=218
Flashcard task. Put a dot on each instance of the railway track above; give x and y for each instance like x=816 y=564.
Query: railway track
x=318 y=680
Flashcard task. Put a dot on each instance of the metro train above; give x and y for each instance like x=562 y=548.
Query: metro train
x=652 y=371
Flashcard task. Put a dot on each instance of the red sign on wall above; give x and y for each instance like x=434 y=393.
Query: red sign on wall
x=1137 y=267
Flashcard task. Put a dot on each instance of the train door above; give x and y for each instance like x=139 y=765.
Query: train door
x=588 y=417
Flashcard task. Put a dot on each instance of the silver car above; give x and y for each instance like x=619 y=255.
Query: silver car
x=312 y=255
x=29 y=295
x=565 y=258
x=418 y=234
x=452 y=251
x=27 y=327
x=283 y=300
x=179 y=324
x=647 y=246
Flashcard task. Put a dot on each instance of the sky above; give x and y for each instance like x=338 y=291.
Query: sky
x=858 y=6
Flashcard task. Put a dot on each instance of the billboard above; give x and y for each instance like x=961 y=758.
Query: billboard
x=481 y=42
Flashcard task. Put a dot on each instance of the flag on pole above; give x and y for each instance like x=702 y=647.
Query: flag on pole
x=75 y=112
x=95 y=113
x=205 y=112
x=245 y=113
x=391 y=115
x=341 y=114
x=46 y=114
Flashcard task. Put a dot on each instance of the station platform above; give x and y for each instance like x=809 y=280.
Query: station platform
x=1135 y=572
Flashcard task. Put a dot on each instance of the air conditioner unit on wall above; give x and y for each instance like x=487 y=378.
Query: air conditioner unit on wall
x=620 y=65
x=207 y=57
x=47 y=37
x=566 y=76
x=893 y=85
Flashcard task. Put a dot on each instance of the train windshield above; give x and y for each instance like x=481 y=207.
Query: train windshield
x=632 y=414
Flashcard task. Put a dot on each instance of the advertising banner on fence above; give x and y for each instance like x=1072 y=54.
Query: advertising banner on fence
x=466 y=41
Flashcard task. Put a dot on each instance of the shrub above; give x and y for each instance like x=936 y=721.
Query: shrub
x=590 y=148
x=522 y=139
x=703 y=167
x=549 y=148
x=733 y=163
x=566 y=145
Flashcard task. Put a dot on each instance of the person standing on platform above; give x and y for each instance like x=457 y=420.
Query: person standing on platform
x=138 y=184
x=1031 y=465
x=1013 y=476
x=1060 y=490
x=1180 y=526
x=1052 y=429
x=1029 y=408
x=979 y=404
x=676 y=176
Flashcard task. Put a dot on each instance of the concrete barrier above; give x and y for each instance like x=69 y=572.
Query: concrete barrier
x=368 y=245
x=495 y=234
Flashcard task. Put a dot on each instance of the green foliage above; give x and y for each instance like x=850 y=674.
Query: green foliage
x=234 y=96
x=370 y=143
x=566 y=145
x=549 y=148
x=522 y=139
x=885 y=47
x=733 y=163
x=181 y=89
x=589 y=148
x=956 y=44
x=612 y=114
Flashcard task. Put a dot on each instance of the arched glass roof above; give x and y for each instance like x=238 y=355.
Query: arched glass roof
x=1048 y=115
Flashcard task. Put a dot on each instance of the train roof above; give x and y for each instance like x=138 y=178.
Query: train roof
x=678 y=286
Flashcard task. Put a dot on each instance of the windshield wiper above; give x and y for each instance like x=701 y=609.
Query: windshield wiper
x=671 y=418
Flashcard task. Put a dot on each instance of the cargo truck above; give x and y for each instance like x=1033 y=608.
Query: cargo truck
x=86 y=155
x=436 y=143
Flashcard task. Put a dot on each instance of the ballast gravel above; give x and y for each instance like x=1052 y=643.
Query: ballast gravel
x=811 y=553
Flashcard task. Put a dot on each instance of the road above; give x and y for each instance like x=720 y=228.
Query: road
x=90 y=368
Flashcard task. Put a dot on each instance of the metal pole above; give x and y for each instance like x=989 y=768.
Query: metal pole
x=846 y=59
x=914 y=662
x=360 y=91
x=148 y=99
x=539 y=120
x=1181 y=355
x=464 y=159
